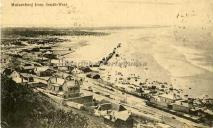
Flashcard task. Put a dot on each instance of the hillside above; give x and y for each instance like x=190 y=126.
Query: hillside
x=22 y=108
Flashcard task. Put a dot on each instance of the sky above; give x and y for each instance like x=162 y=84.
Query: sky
x=100 y=13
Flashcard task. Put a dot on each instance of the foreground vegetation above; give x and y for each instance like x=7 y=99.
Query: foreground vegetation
x=22 y=108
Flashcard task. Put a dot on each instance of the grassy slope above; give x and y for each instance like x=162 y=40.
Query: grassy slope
x=22 y=108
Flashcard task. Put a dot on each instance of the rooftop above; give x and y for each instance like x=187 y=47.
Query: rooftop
x=123 y=115
x=182 y=103
x=26 y=75
x=56 y=80
x=169 y=96
x=41 y=69
x=55 y=61
x=111 y=106
x=62 y=74
x=71 y=84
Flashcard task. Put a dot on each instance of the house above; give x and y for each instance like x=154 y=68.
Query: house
x=155 y=100
x=145 y=94
x=65 y=87
x=95 y=64
x=209 y=101
x=31 y=55
x=122 y=119
x=36 y=84
x=42 y=59
x=86 y=100
x=26 y=77
x=55 y=84
x=15 y=76
x=110 y=106
x=67 y=76
x=27 y=68
x=43 y=80
x=55 y=62
x=43 y=71
x=181 y=106
x=80 y=102
x=58 y=62
x=71 y=88
x=93 y=75
x=208 y=119
x=85 y=69
x=45 y=47
x=209 y=113
x=168 y=98
x=5 y=59
x=18 y=77
x=205 y=115
x=49 y=54
x=115 y=115
x=163 y=101
x=65 y=68
x=63 y=75
x=76 y=71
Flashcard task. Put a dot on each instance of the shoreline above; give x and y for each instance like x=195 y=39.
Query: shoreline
x=155 y=69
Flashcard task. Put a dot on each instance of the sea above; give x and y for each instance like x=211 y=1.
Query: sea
x=181 y=57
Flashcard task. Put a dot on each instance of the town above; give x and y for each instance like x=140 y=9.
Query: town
x=123 y=102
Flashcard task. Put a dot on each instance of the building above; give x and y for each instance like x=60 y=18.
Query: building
x=76 y=71
x=156 y=101
x=58 y=62
x=15 y=76
x=181 y=106
x=205 y=115
x=63 y=75
x=167 y=98
x=27 y=68
x=93 y=75
x=145 y=94
x=163 y=101
x=115 y=115
x=43 y=71
x=85 y=69
x=26 y=77
x=36 y=84
x=71 y=88
x=18 y=77
x=49 y=54
x=66 y=68
x=64 y=87
x=209 y=101
x=80 y=102
x=42 y=60
x=5 y=60
x=55 y=84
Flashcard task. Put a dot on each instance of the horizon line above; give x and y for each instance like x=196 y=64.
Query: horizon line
x=97 y=27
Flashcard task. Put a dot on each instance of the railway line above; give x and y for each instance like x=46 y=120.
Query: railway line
x=138 y=106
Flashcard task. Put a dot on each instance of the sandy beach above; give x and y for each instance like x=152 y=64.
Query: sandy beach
x=161 y=55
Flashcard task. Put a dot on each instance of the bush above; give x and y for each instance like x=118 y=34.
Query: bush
x=22 y=108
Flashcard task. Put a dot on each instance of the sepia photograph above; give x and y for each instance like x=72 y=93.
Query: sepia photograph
x=106 y=64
